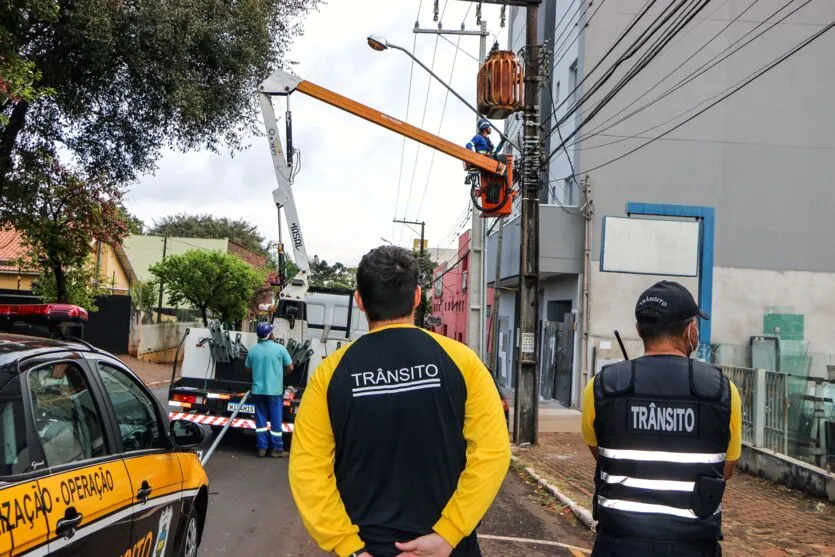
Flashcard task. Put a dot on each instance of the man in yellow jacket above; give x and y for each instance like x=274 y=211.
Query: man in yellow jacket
x=400 y=443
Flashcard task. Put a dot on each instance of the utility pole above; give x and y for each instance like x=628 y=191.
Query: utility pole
x=494 y=315
x=526 y=403
x=159 y=305
x=421 y=312
x=476 y=322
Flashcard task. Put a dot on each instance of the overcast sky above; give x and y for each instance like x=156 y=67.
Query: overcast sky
x=347 y=190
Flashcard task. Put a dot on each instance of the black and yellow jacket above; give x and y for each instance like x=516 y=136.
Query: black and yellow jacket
x=398 y=435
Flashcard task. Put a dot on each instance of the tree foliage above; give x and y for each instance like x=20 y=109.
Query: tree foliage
x=209 y=281
x=69 y=211
x=427 y=273
x=81 y=286
x=143 y=296
x=112 y=82
x=209 y=226
x=134 y=224
x=337 y=275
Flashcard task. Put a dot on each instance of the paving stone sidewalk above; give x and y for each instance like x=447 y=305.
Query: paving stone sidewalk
x=154 y=375
x=759 y=517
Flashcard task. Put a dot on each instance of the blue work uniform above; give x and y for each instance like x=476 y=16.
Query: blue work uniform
x=267 y=360
x=481 y=145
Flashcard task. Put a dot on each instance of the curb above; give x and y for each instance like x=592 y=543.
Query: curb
x=157 y=384
x=582 y=514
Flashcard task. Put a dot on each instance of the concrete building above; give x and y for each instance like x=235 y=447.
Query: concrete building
x=762 y=160
x=114 y=269
x=144 y=251
x=450 y=296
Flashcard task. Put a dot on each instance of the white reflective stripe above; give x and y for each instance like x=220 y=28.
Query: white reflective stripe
x=634 y=506
x=275 y=433
x=662 y=456
x=640 y=483
x=260 y=429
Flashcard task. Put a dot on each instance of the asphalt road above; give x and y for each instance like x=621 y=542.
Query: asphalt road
x=251 y=511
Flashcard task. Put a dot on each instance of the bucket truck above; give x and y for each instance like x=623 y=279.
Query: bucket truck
x=311 y=323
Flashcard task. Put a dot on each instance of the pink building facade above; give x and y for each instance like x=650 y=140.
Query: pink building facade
x=451 y=295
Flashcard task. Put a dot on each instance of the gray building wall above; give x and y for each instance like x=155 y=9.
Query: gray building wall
x=560 y=245
x=764 y=158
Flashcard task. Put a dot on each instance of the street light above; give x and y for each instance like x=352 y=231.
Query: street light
x=377 y=42
x=386 y=241
x=380 y=44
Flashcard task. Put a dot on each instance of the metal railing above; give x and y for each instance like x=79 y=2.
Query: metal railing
x=744 y=379
x=776 y=412
x=766 y=402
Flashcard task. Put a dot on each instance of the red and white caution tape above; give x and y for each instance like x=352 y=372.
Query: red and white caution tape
x=240 y=423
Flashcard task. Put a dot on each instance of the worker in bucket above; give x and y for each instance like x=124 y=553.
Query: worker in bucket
x=481 y=143
x=666 y=432
x=268 y=362
x=400 y=442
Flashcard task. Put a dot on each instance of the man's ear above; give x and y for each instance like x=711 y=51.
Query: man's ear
x=418 y=292
x=358 y=300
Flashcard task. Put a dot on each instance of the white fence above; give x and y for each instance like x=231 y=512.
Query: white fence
x=153 y=339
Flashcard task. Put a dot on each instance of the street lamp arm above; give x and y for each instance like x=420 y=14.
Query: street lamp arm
x=504 y=138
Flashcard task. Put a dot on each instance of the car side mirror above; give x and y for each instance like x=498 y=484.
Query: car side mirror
x=188 y=435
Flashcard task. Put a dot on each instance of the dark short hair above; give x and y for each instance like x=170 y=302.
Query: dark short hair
x=387 y=277
x=654 y=332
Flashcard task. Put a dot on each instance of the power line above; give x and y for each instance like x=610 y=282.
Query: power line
x=622 y=36
x=443 y=112
x=570 y=28
x=704 y=68
x=457 y=45
x=648 y=56
x=641 y=13
x=740 y=85
x=408 y=103
x=422 y=121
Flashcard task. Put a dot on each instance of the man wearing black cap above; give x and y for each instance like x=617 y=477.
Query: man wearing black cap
x=666 y=433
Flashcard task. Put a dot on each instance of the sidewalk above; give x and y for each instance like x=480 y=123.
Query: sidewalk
x=759 y=518
x=153 y=375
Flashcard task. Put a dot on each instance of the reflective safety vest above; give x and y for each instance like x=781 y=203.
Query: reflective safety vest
x=663 y=428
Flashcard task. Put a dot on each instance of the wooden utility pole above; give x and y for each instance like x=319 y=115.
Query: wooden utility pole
x=159 y=305
x=420 y=313
x=526 y=403
x=494 y=313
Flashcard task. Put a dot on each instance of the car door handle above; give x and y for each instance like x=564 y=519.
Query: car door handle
x=67 y=526
x=144 y=492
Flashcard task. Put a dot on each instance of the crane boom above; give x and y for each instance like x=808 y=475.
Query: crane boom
x=284 y=83
x=493 y=185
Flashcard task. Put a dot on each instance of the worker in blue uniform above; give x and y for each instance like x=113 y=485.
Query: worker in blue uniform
x=481 y=143
x=268 y=362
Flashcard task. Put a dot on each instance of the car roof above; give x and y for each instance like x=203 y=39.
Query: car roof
x=15 y=347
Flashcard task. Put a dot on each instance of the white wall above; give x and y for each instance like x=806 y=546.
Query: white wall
x=740 y=299
x=157 y=338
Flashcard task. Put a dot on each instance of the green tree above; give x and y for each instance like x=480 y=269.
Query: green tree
x=69 y=211
x=143 y=296
x=337 y=275
x=81 y=286
x=135 y=224
x=209 y=281
x=427 y=273
x=110 y=83
x=209 y=226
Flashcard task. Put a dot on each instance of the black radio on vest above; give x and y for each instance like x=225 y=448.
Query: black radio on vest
x=663 y=428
